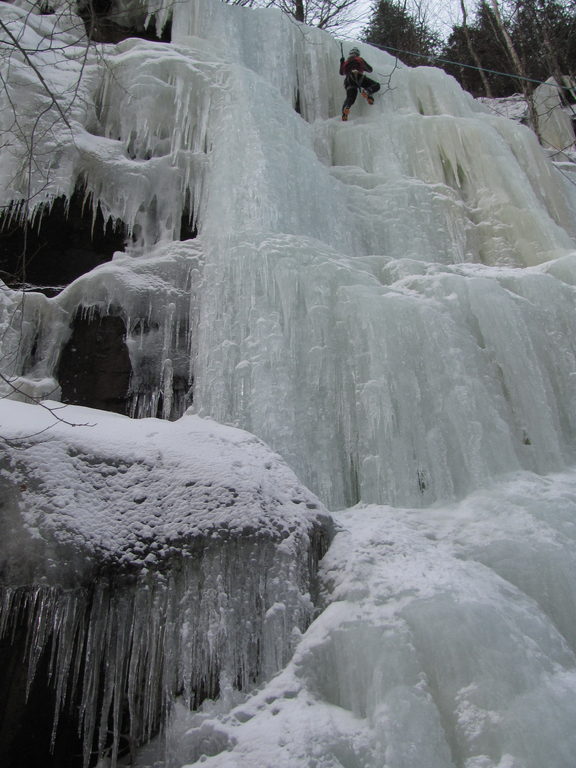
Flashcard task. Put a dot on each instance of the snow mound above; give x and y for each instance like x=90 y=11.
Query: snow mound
x=151 y=561
x=133 y=493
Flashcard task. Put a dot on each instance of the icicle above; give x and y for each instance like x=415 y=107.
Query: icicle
x=163 y=636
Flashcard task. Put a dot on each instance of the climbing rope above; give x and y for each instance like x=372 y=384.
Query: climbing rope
x=434 y=59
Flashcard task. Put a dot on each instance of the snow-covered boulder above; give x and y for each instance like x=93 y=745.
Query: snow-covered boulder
x=182 y=553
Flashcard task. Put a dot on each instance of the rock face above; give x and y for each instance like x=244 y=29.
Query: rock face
x=105 y=24
x=150 y=560
x=94 y=367
x=65 y=239
x=26 y=715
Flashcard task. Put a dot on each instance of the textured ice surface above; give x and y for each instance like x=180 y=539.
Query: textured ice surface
x=449 y=642
x=314 y=236
x=555 y=122
x=390 y=304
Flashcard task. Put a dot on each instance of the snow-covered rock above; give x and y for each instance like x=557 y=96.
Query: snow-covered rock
x=127 y=495
x=160 y=556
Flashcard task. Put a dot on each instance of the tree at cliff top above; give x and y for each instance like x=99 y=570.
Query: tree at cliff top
x=395 y=28
x=533 y=39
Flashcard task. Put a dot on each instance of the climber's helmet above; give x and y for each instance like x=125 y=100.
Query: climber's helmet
x=353 y=52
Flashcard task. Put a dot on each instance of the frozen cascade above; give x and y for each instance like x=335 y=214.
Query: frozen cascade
x=389 y=303
x=446 y=395
x=308 y=241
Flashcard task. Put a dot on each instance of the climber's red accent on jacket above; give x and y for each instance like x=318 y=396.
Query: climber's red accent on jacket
x=355 y=62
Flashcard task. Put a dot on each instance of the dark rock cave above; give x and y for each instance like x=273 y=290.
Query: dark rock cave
x=64 y=241
x=104 y=25
x=26 y=721
x=94 y=367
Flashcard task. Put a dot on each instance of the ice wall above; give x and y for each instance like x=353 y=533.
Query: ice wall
x=449 y=643
x=390 y=304
x=420 y=217
x=555 y=120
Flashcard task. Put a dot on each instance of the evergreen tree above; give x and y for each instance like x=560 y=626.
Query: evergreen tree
x=529 y=38
x=393 y=26
x=479 y=44
x=544 y=34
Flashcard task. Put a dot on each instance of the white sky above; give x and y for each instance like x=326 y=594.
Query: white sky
x=441 y=14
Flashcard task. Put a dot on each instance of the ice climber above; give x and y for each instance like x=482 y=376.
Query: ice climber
x=354 y=68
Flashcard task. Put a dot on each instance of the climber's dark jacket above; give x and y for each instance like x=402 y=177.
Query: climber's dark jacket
x=354 y=62
x=349 y=67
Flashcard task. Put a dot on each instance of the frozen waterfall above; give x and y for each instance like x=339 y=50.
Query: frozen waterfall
x=388 y=303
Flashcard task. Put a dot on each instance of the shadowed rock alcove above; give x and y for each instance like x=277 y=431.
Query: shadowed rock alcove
x=26 y=722
x=106 y=24
x=94 y=367
x=64 y=240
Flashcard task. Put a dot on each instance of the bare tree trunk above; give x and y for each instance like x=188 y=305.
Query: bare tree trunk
x=472 y=51
x=527 y=88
